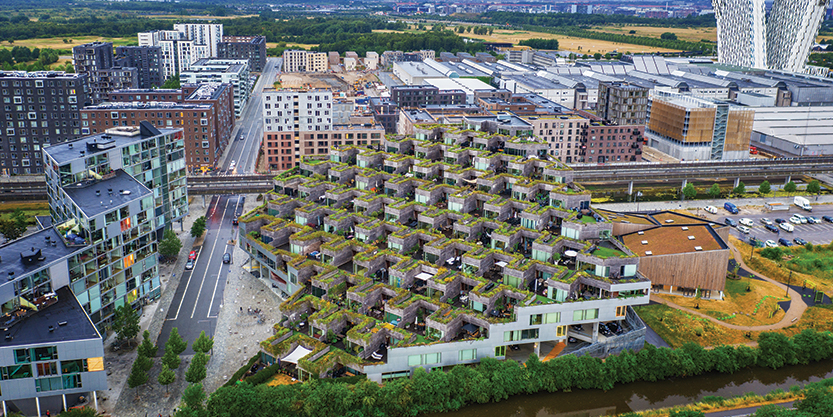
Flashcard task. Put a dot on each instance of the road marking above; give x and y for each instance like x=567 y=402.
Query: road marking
x=216 y=239
x=187 y=283
x=217 y=283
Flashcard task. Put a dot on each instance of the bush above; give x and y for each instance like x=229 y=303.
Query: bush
x=239 y=374
x=772 y=253
x=263 y=375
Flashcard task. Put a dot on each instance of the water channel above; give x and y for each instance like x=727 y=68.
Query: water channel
x=640 y=396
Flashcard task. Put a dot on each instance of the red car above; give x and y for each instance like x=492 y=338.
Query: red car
x=192 y=256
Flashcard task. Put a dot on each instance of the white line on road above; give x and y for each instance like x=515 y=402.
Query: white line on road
x=217 y=283
x=187 y=283
x=216 y=238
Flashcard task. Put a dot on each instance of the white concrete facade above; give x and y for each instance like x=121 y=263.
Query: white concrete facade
x=741 y=32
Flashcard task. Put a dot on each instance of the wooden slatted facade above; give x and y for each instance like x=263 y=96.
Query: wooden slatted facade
x=705 y=270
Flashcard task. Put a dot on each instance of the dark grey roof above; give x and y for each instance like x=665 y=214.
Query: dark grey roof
x=70 y=151
x=11 y=261
x=113 y=192
x=66 y=316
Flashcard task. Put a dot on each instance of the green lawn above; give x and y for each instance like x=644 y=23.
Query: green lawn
x=607 y=253
x=587 y=219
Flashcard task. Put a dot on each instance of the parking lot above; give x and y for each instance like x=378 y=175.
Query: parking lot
x=820 y=233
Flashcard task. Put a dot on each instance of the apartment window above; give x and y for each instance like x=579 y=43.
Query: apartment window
x=561 y=331
x=47 y=368
x=500 y=351
x=589 y=314
x=426 y=359
x=16 y=372
x=467 y=355
x=621 y=311
x=536 y=319
x=48 y=384
x=515 y=335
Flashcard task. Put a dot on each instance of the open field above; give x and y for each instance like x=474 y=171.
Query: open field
x=739 y=303
x=58 y=43
x=569 y=43
x=683 y=34
x=818 y=278
x=30 y=209
x=200 y=17
x=291 y=45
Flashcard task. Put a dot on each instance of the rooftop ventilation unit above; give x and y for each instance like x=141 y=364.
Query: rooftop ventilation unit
x=648 y=253
x=685 y=228
x=691 y=238
x=644 y=242
x=698 y=248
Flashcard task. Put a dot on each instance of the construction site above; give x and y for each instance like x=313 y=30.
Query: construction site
x=351 y=83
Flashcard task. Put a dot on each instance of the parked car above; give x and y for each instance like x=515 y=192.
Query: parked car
x=711 y=209
x=785 y=242
x=795 y=220
x=787 y=227
x=614 y=327
x=800 y=241
x=192 y=256
x=764 y=220
x=827 y=218
x=743 y=229
x=190 y=264
x=746 y=222
x=731 y=208
x=779 y=221
x=813 y=220
x=772 y=228
x=801 y=219
x=226 y=258
x=234 y=221
x=730 y=222
x=771 y=244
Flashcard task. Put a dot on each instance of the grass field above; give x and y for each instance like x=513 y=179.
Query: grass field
x=818 y=278
x=683 y=34
x=739 y=303
x=678 y=327
x=585 y=46
x=292 y=45
x=58 y=43
x=30 y=209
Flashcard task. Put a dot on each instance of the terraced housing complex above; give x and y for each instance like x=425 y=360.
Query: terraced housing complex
x=443 y=248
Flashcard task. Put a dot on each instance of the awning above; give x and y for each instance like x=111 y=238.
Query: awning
x=501 y=264
x=471 y=181
x=469 y=327
x=298 y=353
x=571 y=253
x=423 y=276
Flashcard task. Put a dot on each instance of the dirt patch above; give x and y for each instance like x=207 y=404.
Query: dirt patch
x=303 y=80
x=683 y=34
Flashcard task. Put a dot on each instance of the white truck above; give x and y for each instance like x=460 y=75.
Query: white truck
x=803 y=203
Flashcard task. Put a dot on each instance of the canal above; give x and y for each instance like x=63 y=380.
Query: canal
x=641 y=396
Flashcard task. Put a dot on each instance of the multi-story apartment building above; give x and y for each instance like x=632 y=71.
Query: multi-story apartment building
x=304 y=61
x=623 y=103
x=422 y=95
x=39 y=109
x=115 y=193
x=147 y=60
x=297 y=110
x=210 y=34
x=436 y=250
x=611 y=142
x=96 y=61
x=226 y=71
x=694 y=128
x=565 y=134
x=283 y=152
x=220 y=117
x=385 y=112
x=252 y=48
x=52 y=354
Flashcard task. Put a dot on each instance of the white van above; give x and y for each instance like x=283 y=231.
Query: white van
x=711 y=209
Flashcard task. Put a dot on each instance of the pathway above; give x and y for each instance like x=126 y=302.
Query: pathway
x=792 y=315
x=555 y=351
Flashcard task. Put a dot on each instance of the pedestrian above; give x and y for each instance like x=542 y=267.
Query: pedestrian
x=47 y=413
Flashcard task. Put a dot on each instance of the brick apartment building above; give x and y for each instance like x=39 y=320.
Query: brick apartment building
x=252 y=48
x=205 y=112
x=575 y=139
x=283 y=152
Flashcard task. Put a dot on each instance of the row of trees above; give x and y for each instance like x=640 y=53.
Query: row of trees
x=628 y=39
x=171 y=360
x=439 y=41
x=15 y=226
x=20 y=54
x=538 y=43
x=813 y=187
x=575 y=19
x=494 y=380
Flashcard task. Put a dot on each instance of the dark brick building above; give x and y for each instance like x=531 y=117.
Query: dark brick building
x=146 y=59
x=252 y=48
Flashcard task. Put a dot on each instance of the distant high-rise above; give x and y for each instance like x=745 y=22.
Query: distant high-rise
x=741 y=33
x=782 y=41
x=792 y=27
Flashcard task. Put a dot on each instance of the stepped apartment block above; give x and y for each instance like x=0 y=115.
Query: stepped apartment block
x=439 y=249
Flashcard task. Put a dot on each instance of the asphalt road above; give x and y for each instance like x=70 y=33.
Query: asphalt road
x=243 y=152
x=198 y=298
x=820 y=233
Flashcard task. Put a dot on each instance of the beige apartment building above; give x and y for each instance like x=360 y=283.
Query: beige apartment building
x=304 y=61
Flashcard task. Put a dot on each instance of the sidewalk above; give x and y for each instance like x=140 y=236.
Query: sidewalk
x=644 y=206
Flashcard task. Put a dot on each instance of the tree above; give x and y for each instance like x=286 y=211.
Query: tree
x=775 y=350
x=126 y=323
x=10 y=229
x=772 y=253
x=714 y=191
x=172 y=82
x=147 y=348
x=202 y=343
x=790 y=187
x=817 y=402
x=138 y=375
x=166 y=377
x=170 y=245
x=196 y=370
x=686 y=413
x=740 y=190
x=193 y=400
x=171 y=359
x=764 y=188
x=19 y=218
x=814 y=187
x=198 y=228
x=669 y=36
x=175 y=342
x=689 y=191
